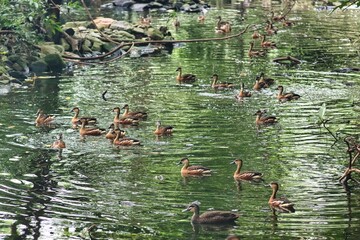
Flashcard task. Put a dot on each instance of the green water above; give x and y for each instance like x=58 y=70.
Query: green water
x=138 y=192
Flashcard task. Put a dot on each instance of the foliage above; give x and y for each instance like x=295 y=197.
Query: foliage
x=347 y=3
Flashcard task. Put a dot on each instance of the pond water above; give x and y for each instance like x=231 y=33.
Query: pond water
x=99 y=191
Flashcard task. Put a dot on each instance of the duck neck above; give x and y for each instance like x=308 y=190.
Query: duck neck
x=215 y=79
x=238 y=168
x=126 y=111
x=117 y=115
x=180 y=73
x=280 y=92
x=186 y=165
x=117 y=136
x=251 y=47
x=258 y=117
x=83 y=125
x=76 y=114
x=273 y=195
x=262 y=38
x=196 y=214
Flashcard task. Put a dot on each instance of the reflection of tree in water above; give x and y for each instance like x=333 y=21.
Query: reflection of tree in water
x=35 y=207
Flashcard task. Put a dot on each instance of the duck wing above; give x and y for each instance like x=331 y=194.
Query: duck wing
x=218 y=217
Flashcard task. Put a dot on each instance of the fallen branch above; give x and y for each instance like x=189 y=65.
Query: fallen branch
x=347 y=173
x=287 y=58
x=159 y=42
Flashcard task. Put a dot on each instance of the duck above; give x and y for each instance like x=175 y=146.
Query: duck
x=194 y=169
x=222 y=85
x=118 y=141
x=255 y=35
x=243 y=93
x=266 y=80
x=124 y=120
x=260 y=119
x=210 y=217
x=222 y=26
x=138 y=114
x=253 y=53
x=270 y=29
x=111 y=134
x=245 y=175
x=259 y=85
x=277 y=18
x=163 y=130
x=282 y=204
x=286 y=96
x=186 y=78
x=267 y=44
x=88 y=131
x=287 y=23
x=59 y=143
x=145 y=21
x=75 y=118
x=42 y=118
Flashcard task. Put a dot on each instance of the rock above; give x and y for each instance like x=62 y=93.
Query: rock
x=65 y=44
x=155 y=5
x=17 y=75
x=97 y=46
x=120 y=25
x=123 y=35
x=107 y=47
x=51 y=48
x=102 y=22
x=123 y=3
x=76 y=24
x=155 y=34
x=139 y=7
x=39 y=66
x=54 y=62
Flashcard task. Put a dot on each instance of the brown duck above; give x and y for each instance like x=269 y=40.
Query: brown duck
x=260 y=119
x=59 y=143
x=194 y=169
x=185 y=78
x=75 y=118
x=138 y=114
x=245 y=175
x=223 y=85
x=163 y=130
x=118 y=141
x=243 y=93
x=88 y=131
x=210 y=217
x=124 y=120
x=222 y=26
x=254 y=53
x=286 y=96
x=281 y=204
x=42 y=118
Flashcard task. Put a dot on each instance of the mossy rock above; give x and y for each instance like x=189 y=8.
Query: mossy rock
x=51 y=48
x=54 y=62
x=39 y=66
x=107 y=47
x=155 y=34
x=65 y=44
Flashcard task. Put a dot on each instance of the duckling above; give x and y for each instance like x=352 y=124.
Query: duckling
x=166 y=130
x=124 y=141
x=245 y=175
x=243 y=93
x=222 y=85
x=88 y=131
x=286 y=96
x=265 y=80
x=75 y=119
x=267 y=44
x=186 y=78
x=255 y=35
x=59 y=143
x=258 y=85
x=253 y=53
x=111 y=134
x=194 y=169
x=210 y=217
x=138 y=115
x=43 y=119
x=264 y=119
x=124 y=120
x=222 y=26
x=282 y=204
